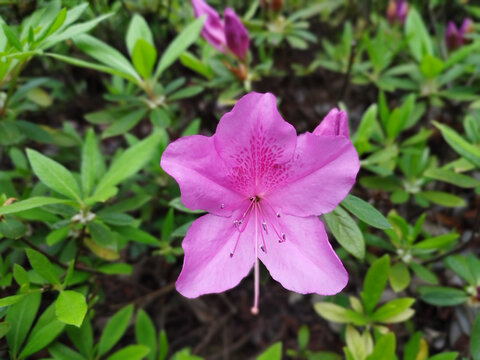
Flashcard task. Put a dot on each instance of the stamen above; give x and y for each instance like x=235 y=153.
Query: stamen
x=222 y=206
x=264 y=226
x=256 y=270
x=284 y=238
x=238 y=225
x=278 y=214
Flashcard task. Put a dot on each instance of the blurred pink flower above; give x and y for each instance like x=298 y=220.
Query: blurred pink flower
x=231 y=35
x=263 y=187
x=455 y=37
x=397 y=11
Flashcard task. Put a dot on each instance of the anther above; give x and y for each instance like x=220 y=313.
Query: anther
x=237 y=223
x=283 y=239
x=278 y=214
x=262 y=248
x=222 y=206
x=264 y=226
x=231 y=254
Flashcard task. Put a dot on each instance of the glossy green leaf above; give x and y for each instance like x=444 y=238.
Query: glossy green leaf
x=82 y=337
x=475 y=338
x=442 y=295
x=42 y=266
x=114 y=330
x=131 y=352
x=392 y=308
x=138 y=29
x=399 y=276
x=442 y=198
x=346 y=231
x=384 y=348
x=273 y=352
x=54 y=175
x=452 y=177
x=12 y=38
x=144 y=56
x=365 y=212
x=93 y=165
x=145 y=333
x=374 y=283
x=423 y=273
x=179 y=45
x=71 y=307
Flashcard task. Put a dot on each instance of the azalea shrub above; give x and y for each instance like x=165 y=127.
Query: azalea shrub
x=259 y=179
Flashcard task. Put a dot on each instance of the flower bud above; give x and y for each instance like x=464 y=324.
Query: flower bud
x=236 y=34
x=466 y=28
x=401 y=11
x=213 y=30
x=452 y=36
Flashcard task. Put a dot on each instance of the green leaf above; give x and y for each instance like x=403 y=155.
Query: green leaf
x=57 y=235
x=116 y=269
x=460 y=145
x=145 y=333
x=20 y=275
x=475 y=338
x=42 y=266
x=392 y=308
x=144 y=56
x=430 y=66
x=124 y=123
x=131 y=352
x=127 y=164
x=63 y=352
x=303 y=337
x=105 y=54
x=12 y=228
x=191 y=62
x=442 y=198
x=93 y=166
x=436 y=242
x=82 y=337
x=346 y=232
x=442 y=295
x=274 y=352
x=10 y=300
x=399 y=276
x=162 y=345
x=418 y=37
x=4 y=328
x=384 y=348
x=12 y=38
x=138 y=29
x=365 y=212
x=21 y=316
x=452 y=177
x=54 y=175
x=374 y=284
x=46 y=329
x=423 y=273
x=114 y=330
x=102 y=235
x=339 y=314
x=459 y=265
x=451 y=355
x=179 y=45
x=71 y=307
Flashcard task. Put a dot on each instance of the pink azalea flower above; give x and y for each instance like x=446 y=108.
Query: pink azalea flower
x=231 y=34
x=263 y=187
x=455 y=37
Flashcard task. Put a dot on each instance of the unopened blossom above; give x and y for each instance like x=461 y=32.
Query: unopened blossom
x=263 y=187
x=397 y=11
x=455 y=37
x=274 y=5
x=229 y=34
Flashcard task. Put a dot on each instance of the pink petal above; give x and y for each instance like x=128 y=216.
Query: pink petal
x=334 y=124
x=320 y=176
x=194 y=163
x=236 y=34
x=213 y=30
x=208 y=266
x=254 y=142
x=305 y=262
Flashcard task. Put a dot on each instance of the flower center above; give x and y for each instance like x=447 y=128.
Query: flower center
x=266 y=217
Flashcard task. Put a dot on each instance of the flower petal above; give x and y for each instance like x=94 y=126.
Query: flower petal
x=236 y=34
x=321 y=174
x=213 y=30
x=305 y=262
x=194 y=163
x=208 y=266
x=254 y=141
x=334 y=124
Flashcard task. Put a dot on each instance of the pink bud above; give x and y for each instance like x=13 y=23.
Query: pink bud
x=452 y=36
x=236 y=34
x=401 y=10
x=213 y=30
x=391 y=11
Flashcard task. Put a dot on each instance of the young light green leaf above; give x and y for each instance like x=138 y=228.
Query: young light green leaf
x=418 y=38
x=399 y=276
x=144 y=56
x=274 y=352
x=162 y=345
x=374 y=284
x=10 y=300
x=384 y=348
x=179 y=45
x=452 y=177
x=42 y=266
x=346 y=232
x=392 y=309
x=82 y=337
x=145 y=333
x=4 y=328
x=71 y=307
x=138 y=29
x=63 y=352
x=131 y=352
x=31 y=203
x=54 y=175
x=365 y=212
x=114 y=330
x=442 y=198
x=129 y=163
x=460 y=145
x=12 y=38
